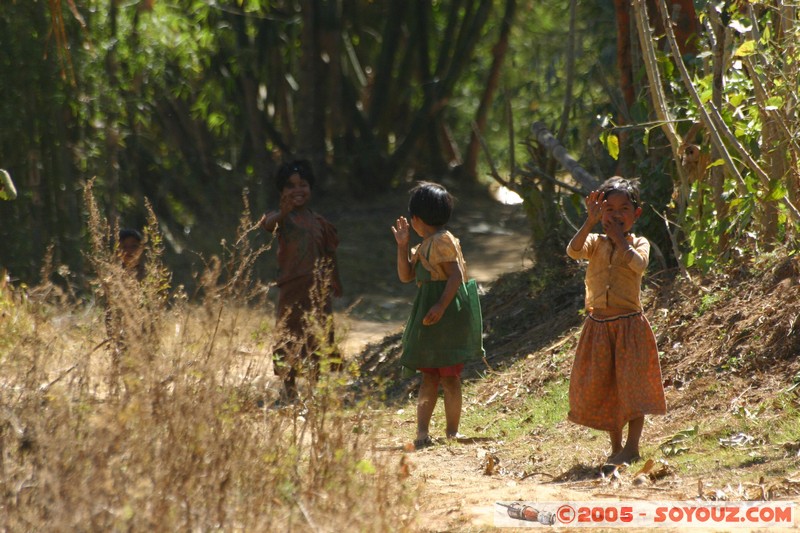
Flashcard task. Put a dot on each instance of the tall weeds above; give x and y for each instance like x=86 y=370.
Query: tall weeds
x=158 y=422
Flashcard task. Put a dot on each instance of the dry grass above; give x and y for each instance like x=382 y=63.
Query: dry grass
x=157 y=422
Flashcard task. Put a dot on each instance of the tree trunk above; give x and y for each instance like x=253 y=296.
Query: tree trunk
x=111 y=135
x=570 y=74
x=717 y=174
x=787 y=21
x=438 y=88
x=254 y=117
x=310 y=110
x=330 y=31
x=380 y=90
x=498 y=55
x=622 y=9
x=686 y=31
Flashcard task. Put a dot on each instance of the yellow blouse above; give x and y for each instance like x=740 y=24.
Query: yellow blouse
x=611 y=279
x=441 y=247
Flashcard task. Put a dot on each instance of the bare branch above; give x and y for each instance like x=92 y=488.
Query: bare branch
x=542 y=174
x=711 y=117
x=675 y=248
x=557 y=150
x=494 y=173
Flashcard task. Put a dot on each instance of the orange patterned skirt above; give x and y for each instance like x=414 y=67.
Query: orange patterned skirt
x=616 y=376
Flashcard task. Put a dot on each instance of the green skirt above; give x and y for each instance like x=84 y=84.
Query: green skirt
x=456 y=338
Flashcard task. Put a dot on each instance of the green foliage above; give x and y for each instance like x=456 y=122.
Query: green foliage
x=188 y=105
x=534 y=78
x=611 y=143
x=709 y=300
x=728 y=211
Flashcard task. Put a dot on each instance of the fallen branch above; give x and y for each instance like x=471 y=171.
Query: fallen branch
x=557 y=150
x=532 y=170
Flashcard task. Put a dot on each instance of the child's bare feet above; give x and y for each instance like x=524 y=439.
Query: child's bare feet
x=422 y=442
x=624 y=457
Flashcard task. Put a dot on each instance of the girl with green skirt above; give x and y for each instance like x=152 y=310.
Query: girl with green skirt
x=445 y=328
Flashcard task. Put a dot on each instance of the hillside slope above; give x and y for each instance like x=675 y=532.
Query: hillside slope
x=730 y=354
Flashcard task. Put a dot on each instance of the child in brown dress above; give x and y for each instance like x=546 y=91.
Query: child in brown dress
x=308 y=277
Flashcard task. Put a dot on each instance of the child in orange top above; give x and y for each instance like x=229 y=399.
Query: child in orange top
x=616 y=376
x=308 y=276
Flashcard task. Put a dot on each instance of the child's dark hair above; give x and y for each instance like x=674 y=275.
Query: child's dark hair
x=125 y=233
x=629 y=187
x=431 y=203
x=301 y=167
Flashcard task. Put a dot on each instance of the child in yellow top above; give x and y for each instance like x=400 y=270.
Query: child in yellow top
x=616 y=377
x=445 y=328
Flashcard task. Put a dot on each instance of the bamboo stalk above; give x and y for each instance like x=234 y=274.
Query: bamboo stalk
x=646 y=41
x=712 y=118
x=654 y=77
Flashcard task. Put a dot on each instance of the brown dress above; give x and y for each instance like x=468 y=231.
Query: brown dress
x=306 y=270
x=616 y=376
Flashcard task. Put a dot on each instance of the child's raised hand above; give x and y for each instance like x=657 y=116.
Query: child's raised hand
x=594 y=206
x=614 y=232
x=286 y=204
x=400 y=231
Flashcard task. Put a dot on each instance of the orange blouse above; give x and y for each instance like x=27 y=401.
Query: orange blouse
x=611 y=279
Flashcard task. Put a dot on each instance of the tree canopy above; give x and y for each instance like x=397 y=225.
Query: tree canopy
x=193 y=104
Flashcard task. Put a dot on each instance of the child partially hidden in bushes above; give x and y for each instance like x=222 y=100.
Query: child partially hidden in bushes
x=129 y=314
x=130 y=253
x=308 y=278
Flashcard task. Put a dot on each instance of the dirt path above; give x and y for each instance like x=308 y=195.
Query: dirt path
x=458 y=485
x=458 y=494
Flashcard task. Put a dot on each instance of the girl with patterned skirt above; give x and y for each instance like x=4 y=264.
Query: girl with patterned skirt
x=616 y=376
